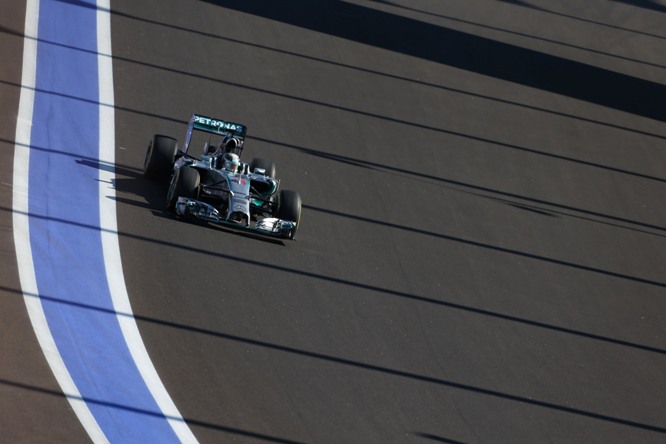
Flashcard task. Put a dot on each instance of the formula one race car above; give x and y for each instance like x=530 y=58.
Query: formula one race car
x=216 y=186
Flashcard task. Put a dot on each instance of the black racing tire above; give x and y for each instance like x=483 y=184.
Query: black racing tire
x=185 y=183
x=265 y=164
x=160 y=156
x=290 y=207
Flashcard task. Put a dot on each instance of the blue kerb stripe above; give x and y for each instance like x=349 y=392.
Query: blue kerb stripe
x=65 y=233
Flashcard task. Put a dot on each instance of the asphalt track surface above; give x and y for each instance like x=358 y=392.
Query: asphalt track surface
x=481 y=255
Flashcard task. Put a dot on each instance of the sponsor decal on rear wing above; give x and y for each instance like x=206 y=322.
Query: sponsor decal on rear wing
x=215 y=126
x=218 y=126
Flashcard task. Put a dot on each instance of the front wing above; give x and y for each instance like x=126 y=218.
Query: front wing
x=269 y=226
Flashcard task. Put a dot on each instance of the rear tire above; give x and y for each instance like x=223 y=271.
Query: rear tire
x=160 y=156
x=185 y=183
x=290 y=208
x=265 y=164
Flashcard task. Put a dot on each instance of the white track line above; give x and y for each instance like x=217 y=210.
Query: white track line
x=109 y=235
x=110 y=245
x=22 y=231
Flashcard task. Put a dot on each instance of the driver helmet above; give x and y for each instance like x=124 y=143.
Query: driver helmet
x=231 y=162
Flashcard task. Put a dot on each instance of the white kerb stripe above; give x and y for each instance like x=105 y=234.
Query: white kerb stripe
x=109 y=230
x=21 y=228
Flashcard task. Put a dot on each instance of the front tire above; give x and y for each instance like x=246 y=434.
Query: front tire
x=185 y=183
x=160 y=156
x=290 y=208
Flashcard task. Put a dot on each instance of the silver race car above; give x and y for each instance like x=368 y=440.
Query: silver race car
x=216 y=186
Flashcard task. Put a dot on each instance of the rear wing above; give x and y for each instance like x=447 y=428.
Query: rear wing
x=214 y=126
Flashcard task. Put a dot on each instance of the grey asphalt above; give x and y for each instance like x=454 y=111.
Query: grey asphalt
x=481 y=251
